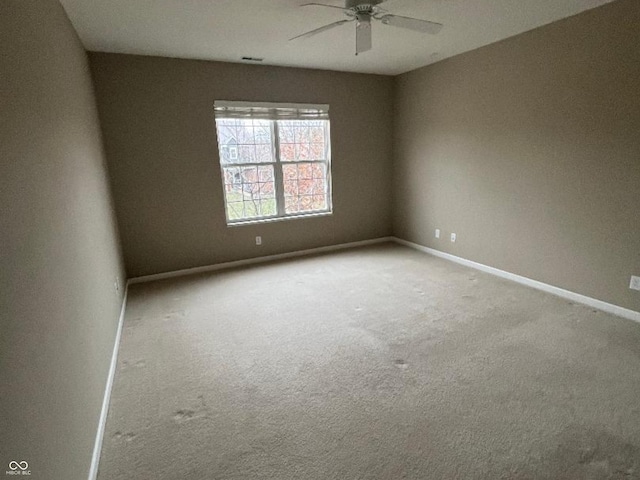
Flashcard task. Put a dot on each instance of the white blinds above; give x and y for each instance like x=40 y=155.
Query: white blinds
x=270 y=111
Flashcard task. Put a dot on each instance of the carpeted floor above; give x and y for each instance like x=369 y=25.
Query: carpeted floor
x=374 y=363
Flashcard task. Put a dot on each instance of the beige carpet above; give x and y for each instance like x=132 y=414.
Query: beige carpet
x=375 y=363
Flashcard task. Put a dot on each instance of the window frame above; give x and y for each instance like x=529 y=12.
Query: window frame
x=278 y=175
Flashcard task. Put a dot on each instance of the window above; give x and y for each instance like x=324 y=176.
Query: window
x=275 y=160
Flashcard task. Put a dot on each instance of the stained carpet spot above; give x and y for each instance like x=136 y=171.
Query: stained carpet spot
x=183 y=415
x=126 y=436
x=401 y=364
x=178 y=315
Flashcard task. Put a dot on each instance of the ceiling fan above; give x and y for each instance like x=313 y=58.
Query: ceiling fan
x=362 y=12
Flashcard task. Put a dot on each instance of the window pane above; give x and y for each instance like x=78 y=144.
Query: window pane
x=263 y=153
x=319 y=186
x=317 y=134
x=305 y=170
x=305 y=187
x=265 y=173
x=287 y=152
x=291 y=204
x=285 y=131
x=235 y=210
x=302 y=151
x=244 y=141
x=302 y=140
x=249 y=192
x=227 y=131
x=316 y=151
x=290 y=171
x=247 y=154
x=301 y=133
x=319 y=202
x=317 y=170
x=268 y=207
x=266 y=190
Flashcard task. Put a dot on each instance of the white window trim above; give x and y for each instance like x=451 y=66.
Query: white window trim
x=278 y=163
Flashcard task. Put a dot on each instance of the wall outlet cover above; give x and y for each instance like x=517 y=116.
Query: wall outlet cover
x=635 y=283
x=258 y=240
x=437 y=233
x=453 y=237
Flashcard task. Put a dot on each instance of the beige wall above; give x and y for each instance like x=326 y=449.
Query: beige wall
x=59 y=253
x=529 y=150
x=157 y=119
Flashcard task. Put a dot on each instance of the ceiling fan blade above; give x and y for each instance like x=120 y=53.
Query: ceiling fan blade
x=324 y=5
x=321 y=29
x=415 y=24
x=363 y=34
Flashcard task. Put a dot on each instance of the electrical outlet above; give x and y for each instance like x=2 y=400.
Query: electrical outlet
x=258 y=240
x=116 y=286
x=635 y=283
x=437 y=233
x=453 y=237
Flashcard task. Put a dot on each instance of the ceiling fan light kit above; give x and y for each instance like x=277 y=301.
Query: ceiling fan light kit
x=362 y=12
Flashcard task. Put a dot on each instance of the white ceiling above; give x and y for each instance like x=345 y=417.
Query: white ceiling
x=227 y=30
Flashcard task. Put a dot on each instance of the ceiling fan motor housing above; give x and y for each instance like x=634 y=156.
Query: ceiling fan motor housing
x=362 y=5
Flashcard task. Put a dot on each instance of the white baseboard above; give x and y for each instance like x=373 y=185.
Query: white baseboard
x=97 y=447
x=575 y=297
x=251 y=261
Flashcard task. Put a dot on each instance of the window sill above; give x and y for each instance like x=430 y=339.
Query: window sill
x=279 y=219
